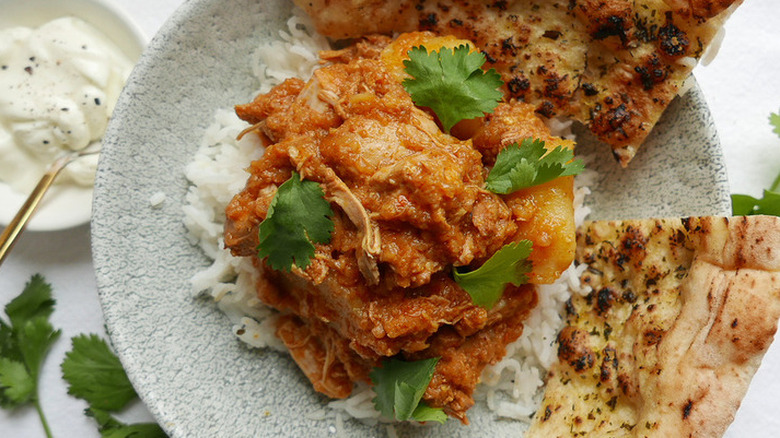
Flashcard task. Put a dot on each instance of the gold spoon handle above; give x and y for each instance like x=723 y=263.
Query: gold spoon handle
x=19 y=222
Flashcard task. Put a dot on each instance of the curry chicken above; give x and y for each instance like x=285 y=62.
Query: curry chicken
x=410 y=204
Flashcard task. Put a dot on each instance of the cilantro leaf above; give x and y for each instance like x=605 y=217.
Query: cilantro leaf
x=95 y=374
x=24 y=344
x=452 y=83
x=298 y=216
x=35 y=300
x=9 y=347
x=745 y=205
x=486 y=284
x=18 y=385
x=529 y=164
x=110 y=427
x=138 y=430
x=36 y=337
x=30 y=335
x=424 y=413
x=399 y=387
x=103 y=418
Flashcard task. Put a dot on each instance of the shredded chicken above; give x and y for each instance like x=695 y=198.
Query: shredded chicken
x=409 y=205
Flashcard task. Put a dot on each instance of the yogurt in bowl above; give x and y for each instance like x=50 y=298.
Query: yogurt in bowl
x=63 y=64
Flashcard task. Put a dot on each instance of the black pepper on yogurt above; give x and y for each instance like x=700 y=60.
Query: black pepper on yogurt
x=60 y=82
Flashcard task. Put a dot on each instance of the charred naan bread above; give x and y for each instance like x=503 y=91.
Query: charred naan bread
x=681 y=313
x=614 y=65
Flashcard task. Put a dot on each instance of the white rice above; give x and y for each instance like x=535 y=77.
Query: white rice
x=157 y=199
x=511 y=388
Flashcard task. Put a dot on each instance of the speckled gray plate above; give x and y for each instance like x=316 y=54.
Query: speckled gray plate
x=192 y=373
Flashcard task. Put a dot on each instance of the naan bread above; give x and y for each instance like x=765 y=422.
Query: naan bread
x=681 y=313
x=614 y=65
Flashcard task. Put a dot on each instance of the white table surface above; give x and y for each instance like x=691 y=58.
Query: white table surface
x=742 y=86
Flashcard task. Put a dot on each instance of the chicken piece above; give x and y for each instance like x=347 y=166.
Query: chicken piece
x=463 y=358
x=614 y=65
x=315 y=353
x=377 y=325
x=355 y=18
x=510 y=123
x=328 y=361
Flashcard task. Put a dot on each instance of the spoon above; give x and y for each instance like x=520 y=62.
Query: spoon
x=19 y=222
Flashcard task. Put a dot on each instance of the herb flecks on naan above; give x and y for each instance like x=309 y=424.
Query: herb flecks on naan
x=680 y=314
x=614 y=65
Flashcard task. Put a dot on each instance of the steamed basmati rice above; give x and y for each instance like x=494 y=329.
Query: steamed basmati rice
x=511 y=388
x=157 y=199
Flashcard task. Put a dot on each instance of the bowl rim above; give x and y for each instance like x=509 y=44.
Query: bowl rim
x=87 y=10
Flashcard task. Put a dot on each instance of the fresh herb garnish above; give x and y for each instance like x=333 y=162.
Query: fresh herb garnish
x=18 y=386
x=486 y=284
x=24 y=344
x=774 y=120
x=744 y=205
x=452 y=83
x=529 y=164
x=91 y=369
x=399 y=387
x=95 y=375
x=110 y=427
x=298 y=216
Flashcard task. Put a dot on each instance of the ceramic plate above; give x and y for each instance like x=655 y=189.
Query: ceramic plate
x=68 y=205
x=196 y=378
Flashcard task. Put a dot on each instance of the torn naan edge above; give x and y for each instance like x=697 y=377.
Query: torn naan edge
x=680 y=314
x=614 y=65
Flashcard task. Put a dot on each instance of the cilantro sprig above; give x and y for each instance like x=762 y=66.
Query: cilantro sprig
x=24 y=344
x=452 y=83
x=486 y=284
x=95 y=375
x=298 y=217
x=530 y=164
x=92 y=371
x=744 y=205
x=399 y=387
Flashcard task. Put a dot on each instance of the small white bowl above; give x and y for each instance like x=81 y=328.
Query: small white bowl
x=66 y=206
